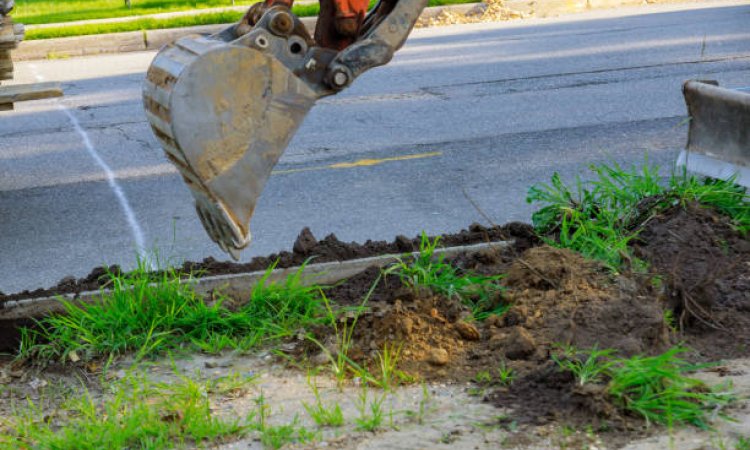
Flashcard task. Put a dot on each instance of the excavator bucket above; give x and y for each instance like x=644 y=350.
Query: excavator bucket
x=224 y=107
x=719 y=134
x=224 y=115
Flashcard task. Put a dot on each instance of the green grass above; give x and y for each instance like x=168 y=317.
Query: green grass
x=600 y=218
x=138 y=414
x=588 y=367
x=143 y=23
x=388 y=376
x=657 y=388
x=505 y=374
x=341 y=364
x=134 y=25
x=277 y=436
x=371 y=413
x=322 y=415
x=428 y=271
x=502 y=376
x=150 y=315
x=34 y=12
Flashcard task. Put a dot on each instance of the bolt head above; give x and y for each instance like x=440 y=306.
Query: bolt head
x=282 y=23
x=340 y=79
x=261 y=41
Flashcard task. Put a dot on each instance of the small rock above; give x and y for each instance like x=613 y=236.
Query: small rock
x=477 y=227
x=438 y=357
x=217 y=364
x=305 y=242
x=69 y=280
x=73 y=356
x=515 y=316
x=320 y=359
x=467 y=331
x=519 y=344
x=404 y=244
x=407 y=325
x=627 y=285
x=493 y=320
x=116 y=375
x=37 y=383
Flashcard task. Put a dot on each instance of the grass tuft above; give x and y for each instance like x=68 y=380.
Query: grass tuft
x=588 y=366
x=371 y=413
x=322 y=415
x=139 y=414
x=277 y=436
x=656 y=388
x=151 y=313
x=480 y=293
x=600 y=218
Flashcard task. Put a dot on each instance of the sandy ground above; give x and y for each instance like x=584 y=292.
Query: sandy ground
x=453 y=416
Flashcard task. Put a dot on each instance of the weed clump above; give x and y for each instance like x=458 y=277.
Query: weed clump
x=140 y=414
x=150 y=314
x=478 y=292
x=600 y=218
x=656 y=388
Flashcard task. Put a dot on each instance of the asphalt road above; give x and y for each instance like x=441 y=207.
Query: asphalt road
x=489 y=109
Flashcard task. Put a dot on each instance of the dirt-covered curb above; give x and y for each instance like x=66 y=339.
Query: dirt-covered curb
x=306 y=249
x=327 y=262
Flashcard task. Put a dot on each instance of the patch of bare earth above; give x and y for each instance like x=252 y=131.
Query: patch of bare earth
x=699 y=269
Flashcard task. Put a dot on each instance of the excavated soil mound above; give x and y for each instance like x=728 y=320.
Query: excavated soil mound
x=557 y=297
x=699 y=268
x=704 y=266
x=430 y=332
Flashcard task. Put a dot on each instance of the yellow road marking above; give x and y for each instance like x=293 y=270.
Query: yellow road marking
x=360 y=163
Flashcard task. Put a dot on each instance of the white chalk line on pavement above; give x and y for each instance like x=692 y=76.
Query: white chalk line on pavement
x=135 y=227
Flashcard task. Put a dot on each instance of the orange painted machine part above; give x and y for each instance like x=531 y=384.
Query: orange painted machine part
x=339 y=21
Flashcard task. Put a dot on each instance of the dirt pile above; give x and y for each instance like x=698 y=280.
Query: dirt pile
x=488 y=11
x=703 y=264
x=556 y=297
x=430 y=332
x=697 y=263
x=559 y=297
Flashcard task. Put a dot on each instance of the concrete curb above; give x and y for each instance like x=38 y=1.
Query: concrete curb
x=154 y=39
x=234 y=285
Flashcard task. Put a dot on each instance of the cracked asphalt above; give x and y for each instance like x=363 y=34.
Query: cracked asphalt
x=496 y=107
